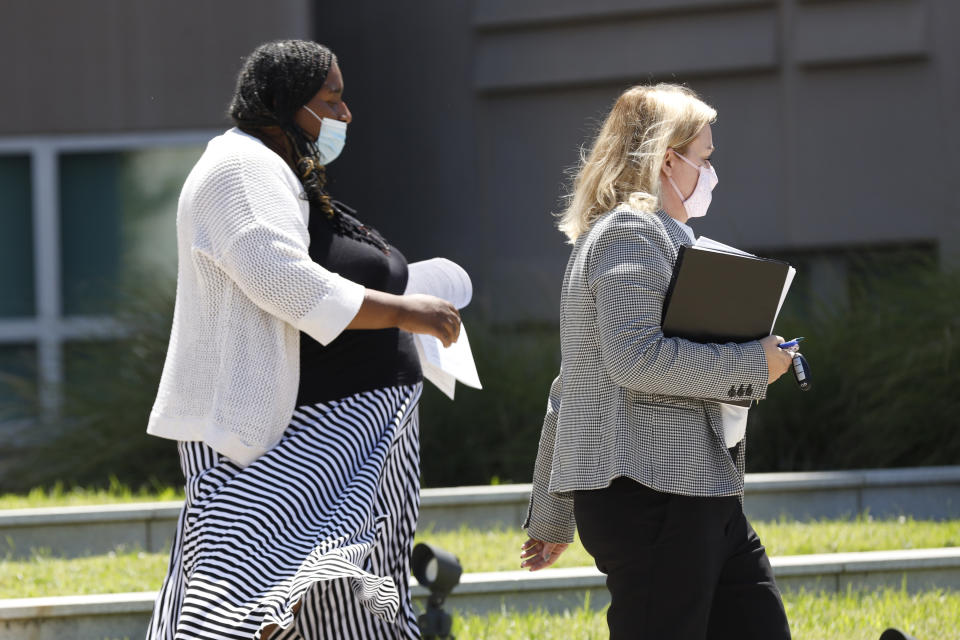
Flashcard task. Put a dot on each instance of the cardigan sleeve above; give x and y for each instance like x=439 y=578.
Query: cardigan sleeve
x=629 y=273
x=251 y=223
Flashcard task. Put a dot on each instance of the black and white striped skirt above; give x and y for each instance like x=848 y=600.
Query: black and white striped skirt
x=314 y=536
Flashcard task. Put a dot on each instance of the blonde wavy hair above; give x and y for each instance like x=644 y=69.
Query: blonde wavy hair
x=623 y=166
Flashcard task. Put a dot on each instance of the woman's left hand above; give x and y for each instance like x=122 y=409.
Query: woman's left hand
x=538 y=554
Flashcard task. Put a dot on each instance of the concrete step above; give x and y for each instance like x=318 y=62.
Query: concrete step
x=923 y=492
x=126 y=614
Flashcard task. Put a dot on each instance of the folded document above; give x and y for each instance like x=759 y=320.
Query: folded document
x=443 y=366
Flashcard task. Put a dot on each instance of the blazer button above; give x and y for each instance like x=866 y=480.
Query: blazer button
x=733 y=391
x=740 y=391
x=749 y=389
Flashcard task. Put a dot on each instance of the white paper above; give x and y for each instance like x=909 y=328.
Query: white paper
x=704 y=242
x=446 y=382
x=734 y=419
x=783 y=295
x=442 y=278
x=443 y=366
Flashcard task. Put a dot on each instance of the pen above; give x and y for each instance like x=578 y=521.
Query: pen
x=792 y=343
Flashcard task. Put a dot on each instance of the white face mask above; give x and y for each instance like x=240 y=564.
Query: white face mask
x=699 y=201
x=333 y=135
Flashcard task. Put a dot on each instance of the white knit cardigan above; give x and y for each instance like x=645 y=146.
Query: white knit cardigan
x=246 y=287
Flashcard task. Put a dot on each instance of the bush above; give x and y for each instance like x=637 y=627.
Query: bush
x=97 y=432
x=886 y=375
x=886 y=370
x=491 y=435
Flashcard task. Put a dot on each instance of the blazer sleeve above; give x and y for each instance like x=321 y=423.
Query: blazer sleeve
x=629 y=271
x=549 y=516
x=258 y=238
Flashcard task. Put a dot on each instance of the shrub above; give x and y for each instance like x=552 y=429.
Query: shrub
x=886 y=381
x=97 y=431
x=491 y=435
x=886 y=371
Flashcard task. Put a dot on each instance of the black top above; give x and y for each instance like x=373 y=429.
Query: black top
x=363 y=359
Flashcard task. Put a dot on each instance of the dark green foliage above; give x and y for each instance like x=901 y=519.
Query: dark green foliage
x=98 y=430
x=491 y=435
x=886 y=370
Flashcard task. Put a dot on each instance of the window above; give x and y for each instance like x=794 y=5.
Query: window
x=117 y=214
x=83 y=218
x=18 y=378
x=16 y=241
x=830 y=280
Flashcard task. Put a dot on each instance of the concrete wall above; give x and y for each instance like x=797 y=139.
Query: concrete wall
x=114 y=65
x=837 y=123
x=837 y=120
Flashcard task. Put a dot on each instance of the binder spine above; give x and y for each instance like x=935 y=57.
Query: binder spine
x=673 y=281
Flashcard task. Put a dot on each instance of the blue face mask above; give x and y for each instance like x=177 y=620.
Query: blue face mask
x=332 y=138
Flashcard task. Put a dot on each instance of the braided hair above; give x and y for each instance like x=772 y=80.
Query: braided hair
x=276 y=80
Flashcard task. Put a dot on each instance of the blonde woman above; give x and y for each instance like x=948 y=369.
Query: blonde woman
x=637 y=451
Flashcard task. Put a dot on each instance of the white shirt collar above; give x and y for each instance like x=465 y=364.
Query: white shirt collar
x=686 y=228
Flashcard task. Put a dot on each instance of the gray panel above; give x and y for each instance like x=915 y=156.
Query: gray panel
x=525 y=145
x=160 y=534
x=409 y=165
x=944 y=25
x=530 y=142
x=113 y=66
x=77 y=540
x=861 y=31
x=502 y=13
x=922 y=503
x=802 y=505
x=857 y=128
x=549 y=600
x=627 y=50
x=811 y=584
x=916 y=580
x=748 y=207
x=452 y=517
x=120 y=625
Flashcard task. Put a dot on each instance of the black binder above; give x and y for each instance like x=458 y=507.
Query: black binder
x=722 y=297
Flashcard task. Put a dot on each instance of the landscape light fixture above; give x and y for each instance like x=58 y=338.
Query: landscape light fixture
x=439 y=571
x=895 y=634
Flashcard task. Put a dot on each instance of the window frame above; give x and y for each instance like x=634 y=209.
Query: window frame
x=48 y=329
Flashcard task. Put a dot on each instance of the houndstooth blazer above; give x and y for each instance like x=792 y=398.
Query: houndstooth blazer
x=629 y=401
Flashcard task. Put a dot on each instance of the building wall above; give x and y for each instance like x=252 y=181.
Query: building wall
x=837 y=126
x=106 y=104
x=114 y=65
x=837 y=131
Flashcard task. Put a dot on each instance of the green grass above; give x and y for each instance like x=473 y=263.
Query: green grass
x=499 y=549
x=495 y=550
x=60 y=496
x=855 y=615
x=116 y=572
x=851 y=616
x=786 y=537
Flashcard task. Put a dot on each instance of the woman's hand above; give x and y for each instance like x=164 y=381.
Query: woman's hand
x=432 y=316
x=537 y=554
x=417 y=313
x=778 y=360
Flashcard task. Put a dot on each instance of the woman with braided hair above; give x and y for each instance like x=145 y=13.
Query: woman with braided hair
x=291 y=381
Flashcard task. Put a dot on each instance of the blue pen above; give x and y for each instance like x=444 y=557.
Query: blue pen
x=792 y=343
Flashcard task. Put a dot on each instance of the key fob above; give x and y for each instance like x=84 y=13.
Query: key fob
x=801 y=371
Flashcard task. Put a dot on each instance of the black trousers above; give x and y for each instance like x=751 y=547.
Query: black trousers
x=679 y=567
